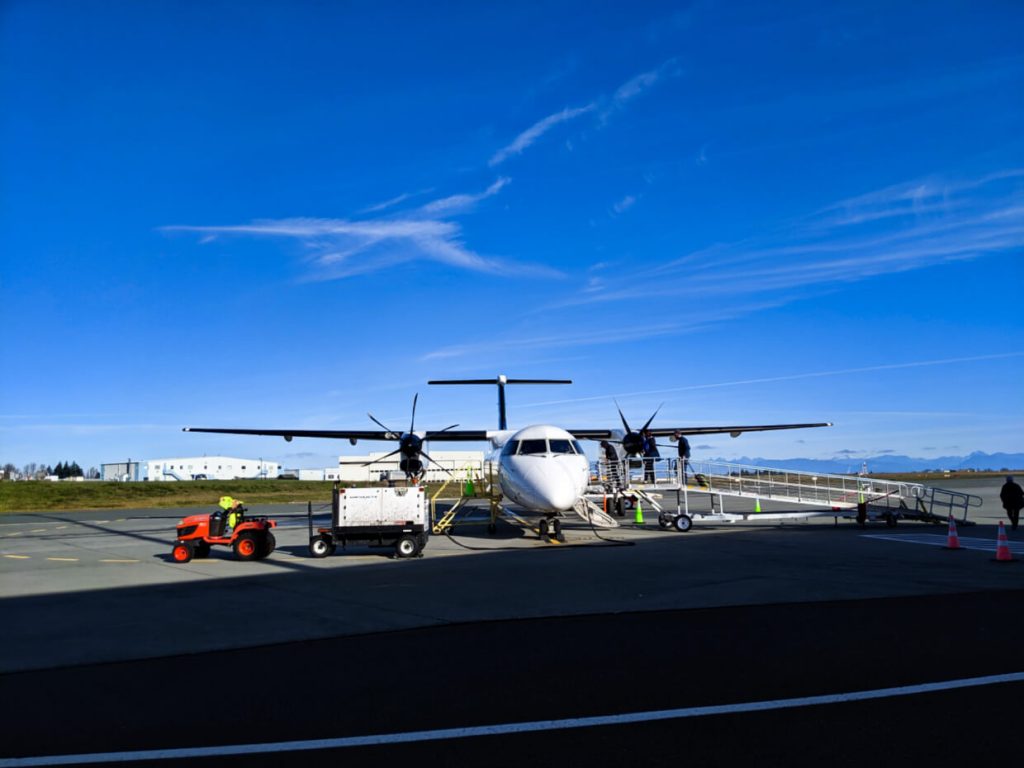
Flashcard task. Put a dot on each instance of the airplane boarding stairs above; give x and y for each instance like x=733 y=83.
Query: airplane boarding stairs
x=860 y=497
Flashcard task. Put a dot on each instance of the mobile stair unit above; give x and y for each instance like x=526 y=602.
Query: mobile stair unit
x=854 y=496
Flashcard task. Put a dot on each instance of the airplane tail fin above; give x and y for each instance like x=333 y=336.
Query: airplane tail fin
x=500 y=382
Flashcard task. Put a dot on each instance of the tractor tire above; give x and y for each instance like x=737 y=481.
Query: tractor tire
x=246 y=546
x=269 y=545
x=320 y=547
x=202 y=550
x=183 y=551
x=406 y=546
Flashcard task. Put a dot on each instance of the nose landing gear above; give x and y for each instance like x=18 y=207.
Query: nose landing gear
x=551 y=528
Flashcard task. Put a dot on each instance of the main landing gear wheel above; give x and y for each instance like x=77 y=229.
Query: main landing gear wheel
x=182 y=552
x=320 y=547
x=246 y=547
x=683 y=523
x=545 y=530
x=406 y=546
x=556 y=525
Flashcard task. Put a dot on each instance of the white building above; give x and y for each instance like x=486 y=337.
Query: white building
x=351 y=469
x=210 y=468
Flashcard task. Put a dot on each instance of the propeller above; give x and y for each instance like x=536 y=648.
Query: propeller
x=410 y=445
x=633 y=442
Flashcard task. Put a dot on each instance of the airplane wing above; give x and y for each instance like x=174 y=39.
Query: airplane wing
x=734 y=431
x=451 y=435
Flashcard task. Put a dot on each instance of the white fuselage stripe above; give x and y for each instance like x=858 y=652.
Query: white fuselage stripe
x=184 y=753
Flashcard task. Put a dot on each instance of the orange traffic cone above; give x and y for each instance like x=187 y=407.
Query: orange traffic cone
x=952 y=539
x=1003 y=554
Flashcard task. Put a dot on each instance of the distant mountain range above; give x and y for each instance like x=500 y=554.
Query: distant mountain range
x=889 y=463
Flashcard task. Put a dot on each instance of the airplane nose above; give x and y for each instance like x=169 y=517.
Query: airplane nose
x=560 y=497
x=552 y=487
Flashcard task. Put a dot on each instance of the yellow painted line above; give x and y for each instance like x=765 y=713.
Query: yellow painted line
x=15 y=534
x=18 y=557
x=99 y=522
x=119 y=561
x=38 y=530
x=63 y=559
x=61 y=527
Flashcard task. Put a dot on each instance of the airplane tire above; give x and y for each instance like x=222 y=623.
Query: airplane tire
x=683 y=523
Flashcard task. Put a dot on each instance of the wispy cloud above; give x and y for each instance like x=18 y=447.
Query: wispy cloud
x=339 y=248
x=448 y=206
x=899 y=228
x=790 y=377
x=625 y=93
x=624 y=204
x=635 y=86
x=392 y=202
x=574 y=336
x=535 y=131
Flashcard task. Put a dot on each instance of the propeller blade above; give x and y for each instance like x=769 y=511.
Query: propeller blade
x=443 y=469
x=645 y=426
x=428 y=435
x=624 y=422
x=381 y=425
x=412 y=423
x=381 y=458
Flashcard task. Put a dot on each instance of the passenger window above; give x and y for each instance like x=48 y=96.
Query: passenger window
x=561 y=446
x=527 y=447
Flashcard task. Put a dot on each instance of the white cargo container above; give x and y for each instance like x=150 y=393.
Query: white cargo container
x=376 y=517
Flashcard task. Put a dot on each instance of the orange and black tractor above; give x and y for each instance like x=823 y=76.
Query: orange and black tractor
x=251 y=538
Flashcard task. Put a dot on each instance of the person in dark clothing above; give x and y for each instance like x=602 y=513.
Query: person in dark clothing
x=684 y=452
x=1012 y=497
x=650 y=454
x=611 y=460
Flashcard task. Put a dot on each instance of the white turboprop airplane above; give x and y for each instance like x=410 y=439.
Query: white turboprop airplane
x=541 y=468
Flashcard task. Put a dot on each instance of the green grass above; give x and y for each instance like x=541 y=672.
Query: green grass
x=42 y=495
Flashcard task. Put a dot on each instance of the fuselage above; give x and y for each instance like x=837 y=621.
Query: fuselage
x=542 y=468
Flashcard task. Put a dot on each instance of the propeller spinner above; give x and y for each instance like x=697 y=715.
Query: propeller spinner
x=410 y=446
x=633 y=441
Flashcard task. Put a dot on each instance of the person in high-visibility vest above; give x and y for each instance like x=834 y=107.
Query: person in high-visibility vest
x=232 y=508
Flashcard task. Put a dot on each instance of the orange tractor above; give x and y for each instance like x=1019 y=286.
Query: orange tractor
x=251 y=538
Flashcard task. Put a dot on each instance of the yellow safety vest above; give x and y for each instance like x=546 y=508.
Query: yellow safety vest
x=226 y=503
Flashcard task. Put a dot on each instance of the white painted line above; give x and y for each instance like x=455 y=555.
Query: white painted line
x=181 y=753
x=18 y=557
x=119 y=561
x=935 y=540
x=63 y=559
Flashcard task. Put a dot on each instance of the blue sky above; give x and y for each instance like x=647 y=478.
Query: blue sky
x=289 y=214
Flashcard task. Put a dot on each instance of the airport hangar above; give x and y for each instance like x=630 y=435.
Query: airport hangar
x=373 y=467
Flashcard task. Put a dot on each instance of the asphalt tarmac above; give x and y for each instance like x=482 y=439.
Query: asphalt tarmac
x=108 y=646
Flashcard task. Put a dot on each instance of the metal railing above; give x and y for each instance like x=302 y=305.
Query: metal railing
x=727 y=478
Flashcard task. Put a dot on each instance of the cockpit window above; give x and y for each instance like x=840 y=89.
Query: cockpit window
x=511 y=448
x=561 y=446
x=579 y=447
x=527 y=447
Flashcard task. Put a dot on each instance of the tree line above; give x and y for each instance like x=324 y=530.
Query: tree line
x=33 y=471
